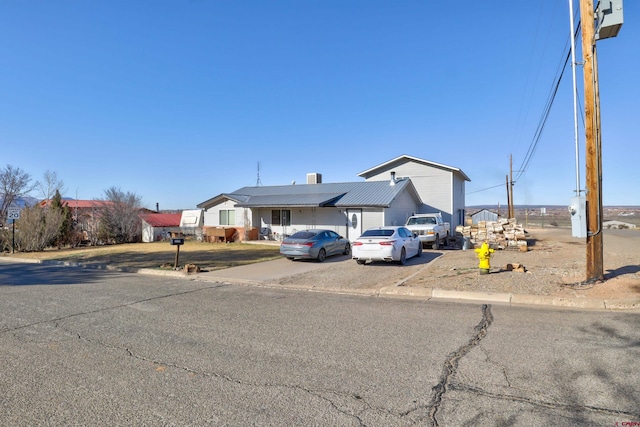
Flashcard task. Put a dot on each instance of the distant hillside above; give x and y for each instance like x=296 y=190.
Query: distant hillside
x=25 y=201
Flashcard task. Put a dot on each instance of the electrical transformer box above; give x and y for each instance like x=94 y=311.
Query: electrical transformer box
x=609 y=19
x=578 y=211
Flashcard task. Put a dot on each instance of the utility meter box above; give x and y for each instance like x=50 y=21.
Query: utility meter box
x=578 y=211
x=609 y=19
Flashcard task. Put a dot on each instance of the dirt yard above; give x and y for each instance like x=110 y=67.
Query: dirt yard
x=554 y=265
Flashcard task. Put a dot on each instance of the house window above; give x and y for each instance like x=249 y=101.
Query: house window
x=281 y=217
x=227 y=217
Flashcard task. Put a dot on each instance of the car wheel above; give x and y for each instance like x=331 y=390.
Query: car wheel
x=436 y=244
x=290 y=258
x=322 y=255
x=360 y=261
x=347 y=249
x=419 y=250
x=403 y=256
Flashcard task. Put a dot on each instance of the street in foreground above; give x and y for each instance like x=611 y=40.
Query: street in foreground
x=90 y=347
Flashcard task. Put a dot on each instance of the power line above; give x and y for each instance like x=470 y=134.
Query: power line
x=545 y=114
x=485 y=189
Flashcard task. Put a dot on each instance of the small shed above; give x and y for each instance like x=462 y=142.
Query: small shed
x=484 y=215
x=157 y=226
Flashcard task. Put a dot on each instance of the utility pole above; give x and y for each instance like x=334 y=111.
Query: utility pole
x=593 y=152
x=508 y=197
x=512 y=210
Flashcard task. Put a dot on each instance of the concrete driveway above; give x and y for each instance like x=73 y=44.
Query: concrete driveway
x=269 y=271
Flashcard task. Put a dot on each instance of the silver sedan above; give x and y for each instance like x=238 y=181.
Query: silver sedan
x=314 y=244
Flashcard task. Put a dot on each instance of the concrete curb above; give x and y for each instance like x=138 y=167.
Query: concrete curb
x=494 y=297
x=513 y=300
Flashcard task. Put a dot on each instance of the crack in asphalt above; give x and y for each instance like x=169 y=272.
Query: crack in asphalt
x=541 y=403
x=57 y=321
x=317 y=393
x=451 y=363
x=501 y=367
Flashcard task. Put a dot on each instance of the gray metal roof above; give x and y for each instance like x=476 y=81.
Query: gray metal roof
x=345 y=194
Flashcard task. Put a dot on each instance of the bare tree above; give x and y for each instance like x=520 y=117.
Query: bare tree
x=38 y=228
x=14 y=183
x=119 y=218
x=49 y=185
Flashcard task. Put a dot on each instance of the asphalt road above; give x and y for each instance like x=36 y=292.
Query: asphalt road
x=92 y=347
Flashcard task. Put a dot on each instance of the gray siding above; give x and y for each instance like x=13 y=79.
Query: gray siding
x=402 y=208
x=434 y=185
x=458 y=208
x=372 y=218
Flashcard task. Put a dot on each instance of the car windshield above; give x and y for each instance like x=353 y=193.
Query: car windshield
x=378 y=233
x=303 y=235
x=422 y=221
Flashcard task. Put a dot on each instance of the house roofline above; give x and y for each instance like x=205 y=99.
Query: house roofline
x=416 y=159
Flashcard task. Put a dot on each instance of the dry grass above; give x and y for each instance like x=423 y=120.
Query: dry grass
x=207 y=256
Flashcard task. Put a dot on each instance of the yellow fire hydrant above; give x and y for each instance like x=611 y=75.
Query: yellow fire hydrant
x=484 y=255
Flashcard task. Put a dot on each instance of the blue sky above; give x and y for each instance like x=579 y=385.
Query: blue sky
x=178 y=101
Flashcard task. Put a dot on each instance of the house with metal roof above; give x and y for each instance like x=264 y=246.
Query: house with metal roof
x=441 y=187
x=348 y=208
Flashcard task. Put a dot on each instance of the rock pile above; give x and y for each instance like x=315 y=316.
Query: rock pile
x=501 y=234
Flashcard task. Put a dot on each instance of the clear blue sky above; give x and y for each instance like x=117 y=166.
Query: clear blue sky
x=178 y=101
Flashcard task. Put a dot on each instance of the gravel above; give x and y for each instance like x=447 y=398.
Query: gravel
x=554 y=265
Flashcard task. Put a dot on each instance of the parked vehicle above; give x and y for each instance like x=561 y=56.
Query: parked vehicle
x=314 y=244
x=430 y=228
x=386 y=244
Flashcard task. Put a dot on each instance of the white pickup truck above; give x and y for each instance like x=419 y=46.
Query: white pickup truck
x=430 y=228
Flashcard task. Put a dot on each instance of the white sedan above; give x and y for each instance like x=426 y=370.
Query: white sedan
x=386 y=244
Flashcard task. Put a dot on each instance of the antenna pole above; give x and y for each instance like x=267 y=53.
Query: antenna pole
x=258 y=182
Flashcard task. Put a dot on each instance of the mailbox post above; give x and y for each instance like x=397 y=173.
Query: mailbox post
x=177 y=242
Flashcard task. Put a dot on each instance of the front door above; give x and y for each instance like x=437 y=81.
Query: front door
x=354 y=224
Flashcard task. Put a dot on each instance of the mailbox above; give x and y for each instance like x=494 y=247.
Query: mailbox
x=176 y=241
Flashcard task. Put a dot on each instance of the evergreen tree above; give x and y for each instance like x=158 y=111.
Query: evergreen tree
x=63 y=237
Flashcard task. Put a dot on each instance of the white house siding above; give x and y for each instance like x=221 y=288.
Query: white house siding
x=303 y=219
x=434 y=185
x=372 y=217
x=403 y=207
x=152 y=234
x=441 y=190
x=147 y=233
x=212 y=215
x=458 y=208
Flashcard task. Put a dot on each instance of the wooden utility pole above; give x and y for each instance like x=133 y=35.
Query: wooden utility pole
x=593 y=152
x=508 y=197
x=512 y=209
